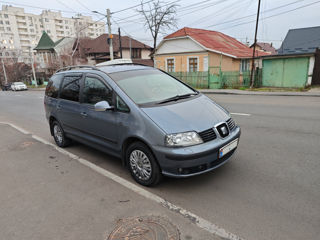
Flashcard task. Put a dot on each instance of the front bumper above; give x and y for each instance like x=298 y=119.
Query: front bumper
x=194 y=160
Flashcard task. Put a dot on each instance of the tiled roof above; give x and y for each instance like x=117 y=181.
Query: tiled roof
x=45 y=42
x=216 y=41
x=100 y=44
x=299 y=41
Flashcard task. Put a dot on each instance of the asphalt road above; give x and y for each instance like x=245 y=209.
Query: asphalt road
x=269 y=190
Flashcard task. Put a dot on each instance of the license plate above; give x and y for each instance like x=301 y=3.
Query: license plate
x=227 y=148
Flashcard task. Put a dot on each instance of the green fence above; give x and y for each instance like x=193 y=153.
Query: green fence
x=216 y=79
x=194 y=79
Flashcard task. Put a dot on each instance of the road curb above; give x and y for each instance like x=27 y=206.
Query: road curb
x=262 y=93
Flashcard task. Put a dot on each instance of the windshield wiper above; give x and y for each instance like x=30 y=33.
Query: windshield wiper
x=177 y=97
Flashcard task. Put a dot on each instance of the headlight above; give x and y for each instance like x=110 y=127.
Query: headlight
x=182 y=139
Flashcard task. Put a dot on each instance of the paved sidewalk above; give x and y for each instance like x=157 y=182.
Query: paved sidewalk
x=311 y=93
x=47 y=195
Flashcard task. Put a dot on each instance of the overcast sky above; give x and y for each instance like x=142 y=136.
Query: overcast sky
x=211 y=14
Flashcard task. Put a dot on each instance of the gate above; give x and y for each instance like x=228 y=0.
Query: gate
x=316 y=69
x=214 y=77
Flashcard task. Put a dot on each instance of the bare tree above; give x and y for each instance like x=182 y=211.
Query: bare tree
x=158 y=16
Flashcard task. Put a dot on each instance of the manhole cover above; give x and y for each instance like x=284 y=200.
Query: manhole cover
x=145 y=228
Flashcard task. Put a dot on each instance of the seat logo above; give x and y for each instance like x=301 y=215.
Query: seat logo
x=223 y=130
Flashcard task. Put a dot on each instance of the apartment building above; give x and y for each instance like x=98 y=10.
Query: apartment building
x=21 y=31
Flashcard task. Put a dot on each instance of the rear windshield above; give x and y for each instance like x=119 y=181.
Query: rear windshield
x=18 y=83
x=149 y=86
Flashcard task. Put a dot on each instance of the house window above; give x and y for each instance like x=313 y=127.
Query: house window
x=193 y=64
x=136 y=53
x=244 y=65
x=170 y=65
x=8 y=28
x=6 y=16
x=46 y=19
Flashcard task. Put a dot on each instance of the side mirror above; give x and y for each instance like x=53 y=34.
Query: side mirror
x=102 y=106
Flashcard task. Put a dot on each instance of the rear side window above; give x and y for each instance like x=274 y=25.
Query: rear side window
x=52 y=89
x=70 y=88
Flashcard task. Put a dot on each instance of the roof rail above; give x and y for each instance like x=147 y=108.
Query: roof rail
x=77 y=67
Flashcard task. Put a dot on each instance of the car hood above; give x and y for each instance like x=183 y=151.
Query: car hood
x=197 y=114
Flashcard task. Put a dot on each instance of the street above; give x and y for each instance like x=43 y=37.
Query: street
x=269 y=189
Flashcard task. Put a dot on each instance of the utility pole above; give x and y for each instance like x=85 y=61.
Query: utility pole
x=4 y=71
x=32 y=65
x=110 y=34
x=130 y=47
x=254 y=47
x=120 y=46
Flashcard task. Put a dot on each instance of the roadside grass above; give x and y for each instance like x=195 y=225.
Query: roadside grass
x=38 y=86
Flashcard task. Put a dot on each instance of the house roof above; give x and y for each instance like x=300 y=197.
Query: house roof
x=266 y=47
x=216 y=41
x=301 y=40
x=45 y=42
x=100 y=44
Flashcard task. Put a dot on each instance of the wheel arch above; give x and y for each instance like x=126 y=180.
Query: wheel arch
x=127 y=142
x=51 y=120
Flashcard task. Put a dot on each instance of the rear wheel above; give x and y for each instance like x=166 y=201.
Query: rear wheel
x=59 y=135
x=142 y=164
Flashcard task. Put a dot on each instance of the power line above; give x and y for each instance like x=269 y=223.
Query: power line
x=211 y=14
x=125 y=9
x=84 y=6
x=138 y=14
x=65 y=5
x=251 y=15
x=199 y=8
x=275 y=15
x=36 y=7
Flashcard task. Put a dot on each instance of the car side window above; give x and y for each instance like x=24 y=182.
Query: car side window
x=53 y=85
x=95 y=91
x=71 y=88
x=121 y=105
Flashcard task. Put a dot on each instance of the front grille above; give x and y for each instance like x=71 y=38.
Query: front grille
x=231 y=124
x=208 y=135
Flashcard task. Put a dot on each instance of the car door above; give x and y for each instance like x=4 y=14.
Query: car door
x=101 y=127
x=68 y=109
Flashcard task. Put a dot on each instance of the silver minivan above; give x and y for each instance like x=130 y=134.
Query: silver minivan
x=156 y=124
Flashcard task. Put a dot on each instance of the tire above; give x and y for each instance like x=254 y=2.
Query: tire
x=59 y=135
x=142 y=164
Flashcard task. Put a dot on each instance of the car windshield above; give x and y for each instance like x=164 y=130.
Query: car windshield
x=150 y=86
x=18 y=83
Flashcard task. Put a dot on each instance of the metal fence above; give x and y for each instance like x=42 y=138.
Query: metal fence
x=216 y=79
x=194 y=79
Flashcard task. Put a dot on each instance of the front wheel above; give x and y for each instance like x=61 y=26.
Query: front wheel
x=142 y=164
x=59 y=135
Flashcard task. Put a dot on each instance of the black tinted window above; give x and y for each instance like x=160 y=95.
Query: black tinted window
x=95 y=91
x=121 y=105
x=71 y=88
x=52 y=88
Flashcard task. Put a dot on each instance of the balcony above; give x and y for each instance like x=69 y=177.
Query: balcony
x=20 y=20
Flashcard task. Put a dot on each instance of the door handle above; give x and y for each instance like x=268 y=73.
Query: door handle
x=58 y=107
x=84 y=114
